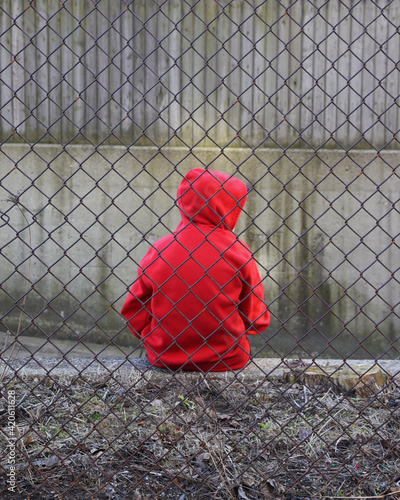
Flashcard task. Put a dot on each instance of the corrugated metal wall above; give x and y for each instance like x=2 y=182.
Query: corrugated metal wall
x=225 y=73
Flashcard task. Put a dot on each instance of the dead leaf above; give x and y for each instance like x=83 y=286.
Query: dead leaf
x=247 y=481
x=211 y=412
x=304 y=433
x=395 y=490
x=137 y=495
x=234 y=423
x=201 y=458
x=223 y=416
x=296 y=363
x=97 y=451
x=271 y=485
x=48 y=463
x=241 y=493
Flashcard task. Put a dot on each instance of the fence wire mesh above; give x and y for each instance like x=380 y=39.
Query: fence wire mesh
x=104 y=108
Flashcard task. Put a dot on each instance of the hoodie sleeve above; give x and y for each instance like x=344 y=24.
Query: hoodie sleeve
x=137 y=306
x=252 y=306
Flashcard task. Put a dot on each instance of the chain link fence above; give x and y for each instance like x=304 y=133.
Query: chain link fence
x=104 y=107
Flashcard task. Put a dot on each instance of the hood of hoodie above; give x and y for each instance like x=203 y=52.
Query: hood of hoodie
x=211 y=197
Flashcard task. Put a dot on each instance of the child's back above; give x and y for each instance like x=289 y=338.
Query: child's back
x=198 y=290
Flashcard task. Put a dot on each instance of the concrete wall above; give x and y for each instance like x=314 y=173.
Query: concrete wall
x=184 y=73
x=323 y=226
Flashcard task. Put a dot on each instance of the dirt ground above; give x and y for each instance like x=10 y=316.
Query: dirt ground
x=134 y=433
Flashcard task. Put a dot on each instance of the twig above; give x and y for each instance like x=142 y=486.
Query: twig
x=15 y=200
x=224 y=474
x=363 y=497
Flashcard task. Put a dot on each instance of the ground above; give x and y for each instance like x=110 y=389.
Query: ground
x=144 y=434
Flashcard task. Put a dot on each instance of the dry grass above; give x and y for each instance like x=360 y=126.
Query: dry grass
x=189 y=436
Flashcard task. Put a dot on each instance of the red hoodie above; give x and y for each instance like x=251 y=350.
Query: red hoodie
x=198 y=291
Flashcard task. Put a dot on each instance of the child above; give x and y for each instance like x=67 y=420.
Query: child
x=198 y=291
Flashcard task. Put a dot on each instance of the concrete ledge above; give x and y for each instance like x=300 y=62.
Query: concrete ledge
x=68 y=368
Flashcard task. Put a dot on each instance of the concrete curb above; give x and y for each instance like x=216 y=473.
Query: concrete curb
x=258 y=368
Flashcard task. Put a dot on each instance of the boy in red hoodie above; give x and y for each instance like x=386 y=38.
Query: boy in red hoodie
x=198 y=292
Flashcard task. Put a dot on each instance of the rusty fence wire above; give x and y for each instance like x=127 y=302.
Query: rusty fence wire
x=104 y=107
